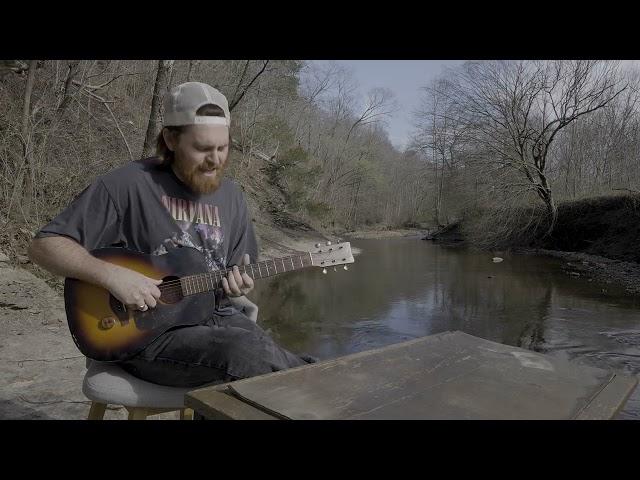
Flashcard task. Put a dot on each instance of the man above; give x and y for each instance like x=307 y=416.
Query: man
x=177 y=199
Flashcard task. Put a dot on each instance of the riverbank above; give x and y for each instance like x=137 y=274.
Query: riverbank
x=619 y=273
x=380 y=233
x=594 y=267
x=597 y=238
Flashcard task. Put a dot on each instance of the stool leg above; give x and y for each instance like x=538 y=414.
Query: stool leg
x=96 y=412
x=136 y=413
x=186 y=414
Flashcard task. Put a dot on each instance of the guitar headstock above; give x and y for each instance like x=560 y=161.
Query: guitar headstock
x=332 y=255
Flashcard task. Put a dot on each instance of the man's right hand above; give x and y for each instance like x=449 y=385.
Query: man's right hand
x=67 y=258
x=134 y=289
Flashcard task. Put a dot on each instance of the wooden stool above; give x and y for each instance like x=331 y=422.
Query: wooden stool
x=108 y=384
x=98 y=409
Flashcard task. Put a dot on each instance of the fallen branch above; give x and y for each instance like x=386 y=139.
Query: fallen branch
x=102 y=85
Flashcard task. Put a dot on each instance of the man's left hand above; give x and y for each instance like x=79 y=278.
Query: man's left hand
x=236 y=284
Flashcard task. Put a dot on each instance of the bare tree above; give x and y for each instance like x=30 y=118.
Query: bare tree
x=155 y=116
x=26 y=167
x=513 y=111
x=438 y=136
x=380 y=103
x=242 y=88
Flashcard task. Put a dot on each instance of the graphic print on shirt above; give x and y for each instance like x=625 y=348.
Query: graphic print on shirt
x=200 y=228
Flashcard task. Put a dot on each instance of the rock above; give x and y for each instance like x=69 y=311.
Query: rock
x=3 y=258
x=23 y=259
x=575 y=274
x=497 y=259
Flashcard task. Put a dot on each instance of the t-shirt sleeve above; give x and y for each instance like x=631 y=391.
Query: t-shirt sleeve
x=243 y=236
x=91 y=219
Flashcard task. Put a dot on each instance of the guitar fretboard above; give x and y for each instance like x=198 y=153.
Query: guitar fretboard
x=206 y=282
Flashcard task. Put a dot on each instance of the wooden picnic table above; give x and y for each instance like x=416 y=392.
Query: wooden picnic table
x=450 y=375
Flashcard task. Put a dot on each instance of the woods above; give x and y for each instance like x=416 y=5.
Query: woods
x=506 y=141
x=497 y=142
x=66 y=122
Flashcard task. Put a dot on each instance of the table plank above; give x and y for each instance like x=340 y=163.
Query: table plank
x=450 y=375
x=215 y=405
x=610 y=400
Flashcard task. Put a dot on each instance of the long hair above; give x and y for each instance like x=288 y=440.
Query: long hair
x=162 y=150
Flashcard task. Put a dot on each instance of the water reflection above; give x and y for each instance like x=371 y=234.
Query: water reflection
x=400 y=289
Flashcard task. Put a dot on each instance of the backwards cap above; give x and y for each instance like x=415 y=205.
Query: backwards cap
x=183 y=101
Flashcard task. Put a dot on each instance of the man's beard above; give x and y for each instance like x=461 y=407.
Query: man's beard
x=196 y=180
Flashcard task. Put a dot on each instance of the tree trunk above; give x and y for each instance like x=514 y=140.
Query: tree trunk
x=25 y=134
x=155 y=116
x=552 y=210
x=64 y=96
x=193 y=64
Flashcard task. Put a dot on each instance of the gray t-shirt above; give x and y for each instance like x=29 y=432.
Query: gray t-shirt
x=145 y=207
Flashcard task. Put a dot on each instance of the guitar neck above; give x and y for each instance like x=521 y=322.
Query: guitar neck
x=206 y=282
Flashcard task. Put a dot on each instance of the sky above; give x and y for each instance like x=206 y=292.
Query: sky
x=404 y=78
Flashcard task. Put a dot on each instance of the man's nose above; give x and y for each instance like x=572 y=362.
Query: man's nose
x=214 y=159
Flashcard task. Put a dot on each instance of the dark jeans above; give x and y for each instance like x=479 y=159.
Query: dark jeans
x=224 y=349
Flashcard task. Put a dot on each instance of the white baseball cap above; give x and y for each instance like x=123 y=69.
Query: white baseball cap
x=183 y=101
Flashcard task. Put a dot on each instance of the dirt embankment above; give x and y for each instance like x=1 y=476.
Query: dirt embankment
x=601 y=269
x=41 y=370
x=380 y=233
x=597 y=238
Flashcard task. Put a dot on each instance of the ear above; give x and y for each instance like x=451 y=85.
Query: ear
x=170 y=139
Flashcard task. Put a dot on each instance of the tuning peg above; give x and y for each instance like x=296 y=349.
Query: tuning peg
x=324 y=270
x=334 y=269
x=328 y=243
x=346 y=268
x=317 y=245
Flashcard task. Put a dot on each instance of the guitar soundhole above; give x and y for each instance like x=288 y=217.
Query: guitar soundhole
x=170 y=290
x=119 y=310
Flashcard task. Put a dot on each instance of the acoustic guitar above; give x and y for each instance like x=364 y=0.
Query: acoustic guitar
x=104 y=329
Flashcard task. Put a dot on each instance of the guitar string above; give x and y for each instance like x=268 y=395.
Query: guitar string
x=196 y=280
x=223 y=274
x=175 y=286
x=226 y=271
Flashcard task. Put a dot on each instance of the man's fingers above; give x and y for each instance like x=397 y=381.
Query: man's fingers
x=248 y=281
x=149 y=300
x=137 y=300
x=155 y=291
x=237 y=277
x=225 y=286
x=233 y=286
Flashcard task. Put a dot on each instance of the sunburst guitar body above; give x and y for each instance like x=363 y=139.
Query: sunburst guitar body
x=104 y=329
